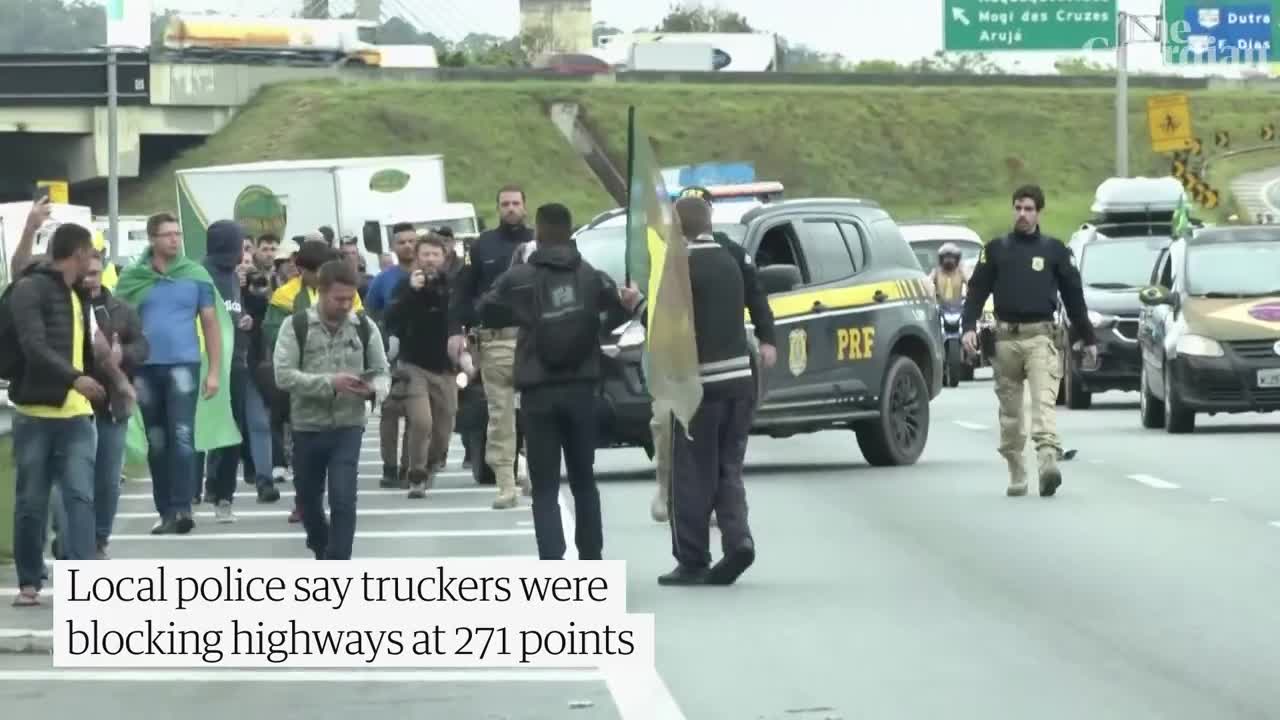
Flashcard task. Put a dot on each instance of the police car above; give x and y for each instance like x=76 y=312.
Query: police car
x=858 y=332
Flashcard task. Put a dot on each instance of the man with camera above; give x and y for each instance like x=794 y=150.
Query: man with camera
x=424 y=390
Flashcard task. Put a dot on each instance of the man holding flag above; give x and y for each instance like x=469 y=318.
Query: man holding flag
x=183 y=388
x=681 y=364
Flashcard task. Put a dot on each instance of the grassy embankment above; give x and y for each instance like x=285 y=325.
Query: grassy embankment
x=926 y=151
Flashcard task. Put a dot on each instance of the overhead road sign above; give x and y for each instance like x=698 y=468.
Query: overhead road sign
x=1204 y=32
x=1169 y=120
x=987 y=26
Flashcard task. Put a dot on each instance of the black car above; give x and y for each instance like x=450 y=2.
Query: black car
x=1115 y=261
x=858 y=332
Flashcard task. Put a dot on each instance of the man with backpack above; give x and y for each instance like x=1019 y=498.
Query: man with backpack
x=47 y=329
x=296 y=295
x=556 y=300
x=331 y=362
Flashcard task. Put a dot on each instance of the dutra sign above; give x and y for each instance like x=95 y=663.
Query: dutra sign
x=1207 y=33
x=1021 y=25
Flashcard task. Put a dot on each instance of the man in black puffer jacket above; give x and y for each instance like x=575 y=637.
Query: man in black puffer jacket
x=53 y=390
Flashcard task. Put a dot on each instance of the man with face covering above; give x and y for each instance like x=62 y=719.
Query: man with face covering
x=225 y=263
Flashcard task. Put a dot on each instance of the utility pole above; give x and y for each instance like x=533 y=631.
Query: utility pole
x=113 y=151
x=1125 y=23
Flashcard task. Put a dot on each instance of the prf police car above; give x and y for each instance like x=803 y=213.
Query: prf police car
x=858 y=336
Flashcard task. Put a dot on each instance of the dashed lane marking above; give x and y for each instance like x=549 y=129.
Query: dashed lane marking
x=970 y=425
x=1217 y=500
x=1153 y=482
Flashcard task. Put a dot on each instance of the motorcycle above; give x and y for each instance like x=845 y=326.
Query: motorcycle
x=956 y=367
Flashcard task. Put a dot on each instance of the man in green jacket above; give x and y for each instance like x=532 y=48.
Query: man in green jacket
x=331 y=368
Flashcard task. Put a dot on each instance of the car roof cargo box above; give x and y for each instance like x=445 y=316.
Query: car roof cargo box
x=1137 y=200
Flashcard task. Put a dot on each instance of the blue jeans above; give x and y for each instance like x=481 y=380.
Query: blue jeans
x=107 y=472
x=167 y=396
x=48 y=451
x=335 y=455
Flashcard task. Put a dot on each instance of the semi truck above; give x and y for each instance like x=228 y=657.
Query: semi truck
x=356 y=197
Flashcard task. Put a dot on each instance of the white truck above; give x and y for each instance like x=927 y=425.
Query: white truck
x=672 y=57
x=356 y=197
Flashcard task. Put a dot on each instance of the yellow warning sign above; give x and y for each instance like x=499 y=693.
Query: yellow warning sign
x=1169 y=118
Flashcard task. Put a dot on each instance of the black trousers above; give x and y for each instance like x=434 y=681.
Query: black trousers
x=706 y=474
x=561 y=419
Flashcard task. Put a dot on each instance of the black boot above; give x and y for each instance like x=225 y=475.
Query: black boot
x=732 y=565
x=684 y=575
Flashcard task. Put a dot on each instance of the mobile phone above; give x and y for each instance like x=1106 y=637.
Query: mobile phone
x=103 y=318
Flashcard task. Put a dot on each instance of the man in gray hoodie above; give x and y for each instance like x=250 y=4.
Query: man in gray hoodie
x=225 y=262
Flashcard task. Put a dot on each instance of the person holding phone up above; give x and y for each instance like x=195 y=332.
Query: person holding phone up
x=424 y=390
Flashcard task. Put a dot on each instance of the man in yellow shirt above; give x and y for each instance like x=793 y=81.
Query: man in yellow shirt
x=948 y=277
x=52 y=388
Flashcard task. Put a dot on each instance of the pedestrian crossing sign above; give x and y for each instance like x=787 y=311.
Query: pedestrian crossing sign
x=1169 y=120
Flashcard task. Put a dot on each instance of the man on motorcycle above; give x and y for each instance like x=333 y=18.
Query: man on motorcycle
x=948 y=277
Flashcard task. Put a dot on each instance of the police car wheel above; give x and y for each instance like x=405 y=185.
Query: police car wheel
x=899 y=434
x=1150 y=408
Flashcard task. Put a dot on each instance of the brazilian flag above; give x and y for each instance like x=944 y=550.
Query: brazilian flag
x=658 y=266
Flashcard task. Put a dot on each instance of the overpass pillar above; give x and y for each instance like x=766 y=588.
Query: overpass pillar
x=89 y=159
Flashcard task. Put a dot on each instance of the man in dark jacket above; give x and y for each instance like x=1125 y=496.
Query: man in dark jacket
x=707 y=456
x=424 y=389
x=490 y=256
x=225 y=262
x=126 y=348
x=556 y=300
x=53 y=391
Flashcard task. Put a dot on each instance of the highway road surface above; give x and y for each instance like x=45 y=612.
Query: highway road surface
x=1258 y=194
x=1146 y=589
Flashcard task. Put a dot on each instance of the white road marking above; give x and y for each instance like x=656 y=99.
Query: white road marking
x=1275 y=523
x=360 y=512
x=1153 y=482
x=642 y=695
x=568 y=526
x=360 y=535
x=970 y=425
x=24 y=633
x=324 y=676
x=380 y=492
x=1217 y=500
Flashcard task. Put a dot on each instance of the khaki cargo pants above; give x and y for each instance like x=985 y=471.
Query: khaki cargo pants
x=1027 y=353
x=497 y=365
x=428 y=402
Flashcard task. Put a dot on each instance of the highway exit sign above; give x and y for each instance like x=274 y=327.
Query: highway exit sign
x=1008 y=25
x=1220 y=32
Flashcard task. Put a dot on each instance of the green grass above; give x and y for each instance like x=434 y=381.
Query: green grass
x=918 y=151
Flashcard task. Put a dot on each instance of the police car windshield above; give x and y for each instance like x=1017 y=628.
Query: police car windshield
x=606 y=247
x=1234 y=269
x=1111 y=264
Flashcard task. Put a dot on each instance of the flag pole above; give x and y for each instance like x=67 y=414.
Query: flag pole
x=631 y=172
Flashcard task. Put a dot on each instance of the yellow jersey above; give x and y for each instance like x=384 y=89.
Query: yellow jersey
x=76 y=405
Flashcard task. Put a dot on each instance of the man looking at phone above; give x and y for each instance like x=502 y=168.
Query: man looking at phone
x=331 y=362
x=425 y=391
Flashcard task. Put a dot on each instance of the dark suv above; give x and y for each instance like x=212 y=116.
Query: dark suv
x=859 y=340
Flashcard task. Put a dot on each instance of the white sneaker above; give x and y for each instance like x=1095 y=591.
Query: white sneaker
x=222 y=513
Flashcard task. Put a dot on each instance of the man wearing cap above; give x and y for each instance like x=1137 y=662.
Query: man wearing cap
x=757 y=303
